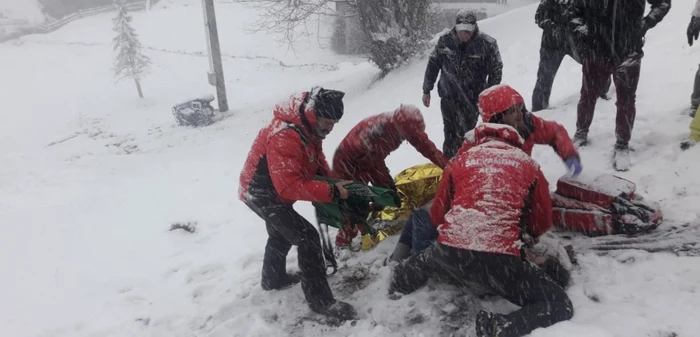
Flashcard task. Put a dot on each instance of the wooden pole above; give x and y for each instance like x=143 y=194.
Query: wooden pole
x=216 y=69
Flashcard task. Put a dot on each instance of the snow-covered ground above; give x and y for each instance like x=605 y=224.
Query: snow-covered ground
x=92 y=179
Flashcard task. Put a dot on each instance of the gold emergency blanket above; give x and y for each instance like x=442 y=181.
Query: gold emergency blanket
x=417 y=185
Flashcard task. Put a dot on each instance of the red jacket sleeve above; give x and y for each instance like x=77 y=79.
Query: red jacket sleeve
x=381 y=177
x=540 y=219
x=419 y=139
x=325 y=167
x=285 y=157
x=553 y=134
x=442 y=202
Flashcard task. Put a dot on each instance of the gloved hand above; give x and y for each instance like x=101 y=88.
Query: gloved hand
x=573 y=164
x=693 y=29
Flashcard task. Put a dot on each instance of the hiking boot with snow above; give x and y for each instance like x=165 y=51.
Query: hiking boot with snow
x=338 y=310
x=693 y=110
x=287 y=281
x=580 y=139
x=489 y=324
x=621 y=157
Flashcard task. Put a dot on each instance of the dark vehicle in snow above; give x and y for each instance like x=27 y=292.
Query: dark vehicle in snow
x=195 y=112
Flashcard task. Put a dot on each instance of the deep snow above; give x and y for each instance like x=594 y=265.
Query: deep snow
x=92 y=178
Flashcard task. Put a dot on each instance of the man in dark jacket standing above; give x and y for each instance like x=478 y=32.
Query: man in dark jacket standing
x=611 y=35
x=557 y=42
x=693 y=32
x=469 y=62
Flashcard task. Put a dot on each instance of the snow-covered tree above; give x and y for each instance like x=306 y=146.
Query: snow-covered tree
x=130 y=62
x=396 y=30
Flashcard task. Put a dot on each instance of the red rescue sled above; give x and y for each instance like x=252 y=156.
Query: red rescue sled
x=602 y=204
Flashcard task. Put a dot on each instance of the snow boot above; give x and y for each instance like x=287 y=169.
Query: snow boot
x=621 y=157
x=288 y=281
x=580 y=139
x=489 y=324
x=338 y=310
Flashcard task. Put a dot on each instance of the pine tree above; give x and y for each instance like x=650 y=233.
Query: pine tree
x=130 y=62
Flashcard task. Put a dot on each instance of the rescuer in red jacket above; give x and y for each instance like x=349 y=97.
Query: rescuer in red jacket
x=362 y=153
x=280 y=169
x=492 y=197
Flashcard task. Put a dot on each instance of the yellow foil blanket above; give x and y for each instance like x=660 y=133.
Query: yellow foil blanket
x=416 y=185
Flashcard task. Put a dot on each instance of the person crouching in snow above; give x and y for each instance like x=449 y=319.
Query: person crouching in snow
x=491 y=196
x=280 y=170
x=362 y=153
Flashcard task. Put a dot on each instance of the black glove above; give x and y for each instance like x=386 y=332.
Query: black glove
x=693 y=29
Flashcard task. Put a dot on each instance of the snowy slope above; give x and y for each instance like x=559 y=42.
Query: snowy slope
x=92 y=179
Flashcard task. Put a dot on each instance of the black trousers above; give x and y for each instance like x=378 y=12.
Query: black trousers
x=695 y=97
x=285 y=228
x=458 y=118
x=550 y=60
x=543 y=302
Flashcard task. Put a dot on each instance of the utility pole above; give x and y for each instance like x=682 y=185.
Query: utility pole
x=216 y=69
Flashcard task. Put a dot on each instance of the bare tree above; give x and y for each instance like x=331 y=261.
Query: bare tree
x=393 y=30
x=286 y=16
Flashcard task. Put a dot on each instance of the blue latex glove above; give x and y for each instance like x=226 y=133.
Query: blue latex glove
x=574 y=165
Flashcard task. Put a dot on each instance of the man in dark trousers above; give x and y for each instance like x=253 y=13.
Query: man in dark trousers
x=557 y=42
x=281 y=169
x=468 y=61
x=693 y=32
x=492 y=196
x=610 y=34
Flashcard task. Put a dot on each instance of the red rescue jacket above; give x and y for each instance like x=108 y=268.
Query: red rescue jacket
x=285 y=157
x=361 y=154
x=550 y=133
x=491 y=194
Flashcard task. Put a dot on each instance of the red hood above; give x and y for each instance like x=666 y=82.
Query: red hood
x=503 y=132
x=289 y=112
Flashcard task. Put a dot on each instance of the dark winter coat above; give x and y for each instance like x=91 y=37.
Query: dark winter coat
x=285 y=157
x=365 y=148
x=614 y=28
x=492 y=194
x=466 y=68
x=551 y=16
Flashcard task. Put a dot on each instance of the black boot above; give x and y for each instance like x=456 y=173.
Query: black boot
x=621 y=157
x=580 y=139
x=284 y=282
x=337 y=309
